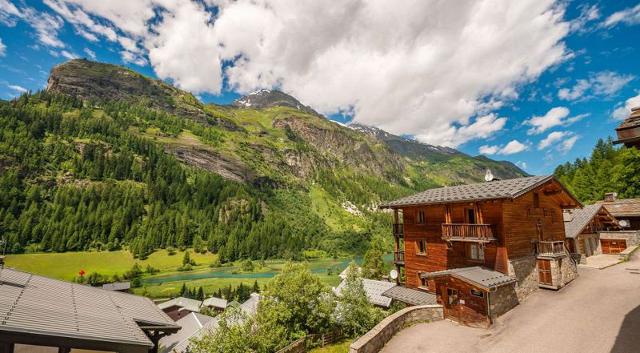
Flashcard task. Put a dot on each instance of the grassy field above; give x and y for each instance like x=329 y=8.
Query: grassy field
x=342 y=347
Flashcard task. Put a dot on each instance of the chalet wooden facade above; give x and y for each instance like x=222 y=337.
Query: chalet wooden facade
x=583 y=227
x=629 y=130
x=481 y=248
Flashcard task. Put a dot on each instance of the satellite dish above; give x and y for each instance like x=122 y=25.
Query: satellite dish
x=393 y=274
x=488 y=176
x=623 y=223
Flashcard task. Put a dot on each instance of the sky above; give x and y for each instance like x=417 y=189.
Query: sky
x=534 y=82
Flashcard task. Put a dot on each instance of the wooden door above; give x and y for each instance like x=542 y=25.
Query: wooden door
x=451 y=299
x=544 y=272
x=613 y=246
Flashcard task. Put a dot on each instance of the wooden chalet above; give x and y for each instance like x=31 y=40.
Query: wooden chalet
x=480 y=248
x=629 y=130
x=583 y=227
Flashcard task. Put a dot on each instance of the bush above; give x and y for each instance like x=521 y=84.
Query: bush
x=171 y=251
x=247 y=266
x=186 y=267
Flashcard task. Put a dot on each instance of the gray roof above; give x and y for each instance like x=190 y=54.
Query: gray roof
x=476 y=275
x=37 y=305
x=182 y=302
x=499 y=189
x=215 y=302
x=410 y=296
x=374 y=290
x=117 y=286
x=575 y=220
x=189 y=324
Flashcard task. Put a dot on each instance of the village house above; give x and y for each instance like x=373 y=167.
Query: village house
x=44 y=315
x=582 y=228
x=180 y=307
x=627 y=212
x=629 y=130
x=482 y=248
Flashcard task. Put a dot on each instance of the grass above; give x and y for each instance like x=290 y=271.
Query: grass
x=341 y=347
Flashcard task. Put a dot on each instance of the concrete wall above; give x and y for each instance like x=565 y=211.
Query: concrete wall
x=502 y=300
x=374 y=340
x=524 y=269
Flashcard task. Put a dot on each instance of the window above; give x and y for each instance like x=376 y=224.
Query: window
x=421 y=247
x=424 y=283
x=421 y=219
x=536 y=200
x=452 y=296
x=475 y=252
x=477 y=293
x=471 y=216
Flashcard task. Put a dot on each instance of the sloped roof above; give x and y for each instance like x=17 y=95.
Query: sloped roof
x=623 y=207
x=117 y=286
x=499 y=189
x=632 y=120
x=477 y=275
x=373 y=289
x=215 y=302
x=410 y=296
x=189 y=325
x=577 y=219
x=37 y=305
x=184 y=303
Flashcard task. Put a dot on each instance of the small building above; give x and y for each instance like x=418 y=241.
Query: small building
x=117 y=286
x=189 y=324
x=180 y=307
x=583 y=226
x=500 y=236
x=215 y=303
x=626 y=211
x=374 y=290
x=629 y=130
x=43 y=315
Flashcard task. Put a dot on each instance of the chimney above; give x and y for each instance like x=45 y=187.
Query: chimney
x=610 y=196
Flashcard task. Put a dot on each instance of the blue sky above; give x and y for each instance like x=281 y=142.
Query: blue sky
x=535 y=83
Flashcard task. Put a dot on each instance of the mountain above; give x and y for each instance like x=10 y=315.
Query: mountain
x=106 y=156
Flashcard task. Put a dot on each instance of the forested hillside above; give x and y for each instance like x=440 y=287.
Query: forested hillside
x=106 y=158
x=608 y=169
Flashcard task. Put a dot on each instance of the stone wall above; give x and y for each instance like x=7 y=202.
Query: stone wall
x=377 y=337
x=501 y=300
x=524 y=270
x=631 y=236
x=569 y=270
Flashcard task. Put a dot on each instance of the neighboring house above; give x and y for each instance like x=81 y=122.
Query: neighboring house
x=373 y=290
x=626 y=211
x=481 y=248
x=214 y=303
x=249 y=307
x=180 y=307
x=189 y=324
x=117 y=286
x=629 y=130
x=583 y=226
x=40 y=314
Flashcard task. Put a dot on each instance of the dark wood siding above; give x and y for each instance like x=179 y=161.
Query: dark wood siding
x=466 y=308
x=613 y=246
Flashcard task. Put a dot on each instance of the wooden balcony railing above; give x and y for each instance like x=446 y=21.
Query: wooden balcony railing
x=398 y=257
x=550 y=248
x=398 y=230
x=467 y=232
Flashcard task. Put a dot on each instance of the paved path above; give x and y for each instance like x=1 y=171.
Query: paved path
x=598 y=312
x=601 y=261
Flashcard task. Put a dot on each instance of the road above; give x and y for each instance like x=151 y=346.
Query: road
x=598 y=312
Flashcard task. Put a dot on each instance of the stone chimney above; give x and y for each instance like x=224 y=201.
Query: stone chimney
x=610 y=196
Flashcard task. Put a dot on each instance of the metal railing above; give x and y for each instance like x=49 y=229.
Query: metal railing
x=398 y=256
x=398 y=230
x=467 y=231
x=550 y=248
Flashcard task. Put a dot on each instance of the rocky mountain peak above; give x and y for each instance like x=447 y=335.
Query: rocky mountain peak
x=266 y=98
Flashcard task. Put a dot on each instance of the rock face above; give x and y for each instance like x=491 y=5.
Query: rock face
x=265 y=98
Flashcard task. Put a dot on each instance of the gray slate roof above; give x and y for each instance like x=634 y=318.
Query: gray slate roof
x=410 y=296
x=189 y=324
x=499 y=189
x=117 y=286
x=575 y=220
x=182 y=302
x=373 y=289
x=38 y=305
x=215 y=302
x=476 y=275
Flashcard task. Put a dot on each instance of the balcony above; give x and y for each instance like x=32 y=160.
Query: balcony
x=550 y=248
x=480 y=233
x=398 y=257
x=398 y=230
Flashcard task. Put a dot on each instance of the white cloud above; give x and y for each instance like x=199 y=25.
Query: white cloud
x=513 y=147
x=442 y=64
x=629 y=16
x=68 y=54
x=3 y=48
x=623 y=110
x=563 y=140
x=587 y=15
x=602 y=84
x=90 y=53
x=44 y=25
x=18 y=88
x=8 y=13
x=522 y=165
x=558 y=116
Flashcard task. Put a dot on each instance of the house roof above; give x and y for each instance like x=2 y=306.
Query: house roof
x=410 y=296
x=117 y=286
x=476 y=275
x=499 y=189
x=632 y=120
x=623 y=207
x=37 y=305
x=576 y=220
x=189 y=325
x=184 y=303
x=373 y=290
x=215 y=302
